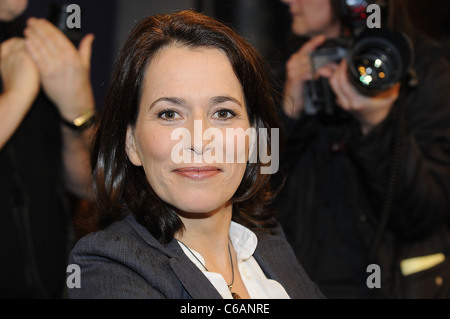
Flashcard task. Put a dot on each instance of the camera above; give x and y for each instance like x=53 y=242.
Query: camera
x=58 y=16
x=377 y=59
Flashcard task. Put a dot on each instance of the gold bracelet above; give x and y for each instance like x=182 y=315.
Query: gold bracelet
x=82 y=122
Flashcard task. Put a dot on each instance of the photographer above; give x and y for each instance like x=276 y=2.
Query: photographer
x=41 y=156
x=370 y=183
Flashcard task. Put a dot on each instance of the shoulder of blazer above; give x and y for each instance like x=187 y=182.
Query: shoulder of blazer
x=134 y=250
x=278 y=261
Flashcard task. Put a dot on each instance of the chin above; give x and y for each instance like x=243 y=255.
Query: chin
x=298 y=28
x=200 y=204
x=199 y=208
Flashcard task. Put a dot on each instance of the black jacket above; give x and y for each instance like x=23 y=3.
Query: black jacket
x=34 y=221
x=337 y=181
x=126 y=261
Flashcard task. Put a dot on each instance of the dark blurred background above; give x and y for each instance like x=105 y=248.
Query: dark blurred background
x=264 y=23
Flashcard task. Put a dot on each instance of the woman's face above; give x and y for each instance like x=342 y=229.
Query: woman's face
x=187 y=95
x=312 y=17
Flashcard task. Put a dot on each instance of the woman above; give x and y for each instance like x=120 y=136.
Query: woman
x=184 y=229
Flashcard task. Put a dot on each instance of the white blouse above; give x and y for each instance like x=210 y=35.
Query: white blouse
x=258 y=285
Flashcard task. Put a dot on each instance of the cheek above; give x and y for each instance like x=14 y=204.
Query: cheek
x=320 y=19
x=153 y=146
x=236 y=145
x=316 y=16
x=154 y=149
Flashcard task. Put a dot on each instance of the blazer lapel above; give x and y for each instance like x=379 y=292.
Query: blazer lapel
x=264 y=258
x=271 y=256
x=192 y=279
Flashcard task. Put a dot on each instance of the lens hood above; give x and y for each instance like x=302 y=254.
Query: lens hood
x=378 y=59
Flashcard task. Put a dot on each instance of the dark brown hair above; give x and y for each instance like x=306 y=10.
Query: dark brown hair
x=121 y=186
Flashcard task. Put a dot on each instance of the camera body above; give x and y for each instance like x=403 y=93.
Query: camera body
x=319 y=97
x=377 y=59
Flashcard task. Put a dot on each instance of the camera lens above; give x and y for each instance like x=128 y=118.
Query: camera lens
x=378 y=59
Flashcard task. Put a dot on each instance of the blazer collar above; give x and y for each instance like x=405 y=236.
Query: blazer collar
x=192 y=279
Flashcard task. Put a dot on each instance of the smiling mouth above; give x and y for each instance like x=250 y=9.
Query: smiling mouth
x=198 y=173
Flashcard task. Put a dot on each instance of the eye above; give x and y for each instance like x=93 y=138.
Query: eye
x=168 y=115
x=224 y=114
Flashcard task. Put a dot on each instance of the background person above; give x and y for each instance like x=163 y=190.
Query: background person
x=41 y=157
x=386 y=153
x=184 y=230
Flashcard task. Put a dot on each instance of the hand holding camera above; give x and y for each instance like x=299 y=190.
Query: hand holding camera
x=368 y=110
x=357 y=70
x=298 y=71
x=361 y=76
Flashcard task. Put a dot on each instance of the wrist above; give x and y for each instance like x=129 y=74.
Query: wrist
x=18 y=99
x=293 y=100
x=74 y=103
x=289 y=108
x=81 y=122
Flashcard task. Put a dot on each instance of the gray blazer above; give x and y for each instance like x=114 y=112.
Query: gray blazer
x=126 y=261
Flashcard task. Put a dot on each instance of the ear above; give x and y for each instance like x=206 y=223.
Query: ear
x=130 y=147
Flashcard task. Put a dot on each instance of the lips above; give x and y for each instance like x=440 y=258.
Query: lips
x=198 y=173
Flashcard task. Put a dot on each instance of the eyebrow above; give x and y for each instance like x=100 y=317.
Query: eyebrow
x=173 y=100
x=180 y=101
x=224 y=98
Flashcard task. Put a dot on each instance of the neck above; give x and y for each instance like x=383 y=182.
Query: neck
x=334 y=30
x=205 y=232
x=208 y=234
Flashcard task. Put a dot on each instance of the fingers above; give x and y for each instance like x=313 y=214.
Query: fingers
x=298 y=66
x=312 y=44
x=39 y=52
x=301 y=58
x=18 y=71
x=349 y=98
x=39 y=43
x=49 y=34
x=85 y=50
x=298 y=70
x=368 y=110
x=12 y=51
x=346 y=95
x=327 y=70
x=7 y=46
x=11 y=47
x=45 y=42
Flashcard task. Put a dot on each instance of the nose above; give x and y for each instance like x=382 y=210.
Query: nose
x=197 y=127
x=197 y=142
